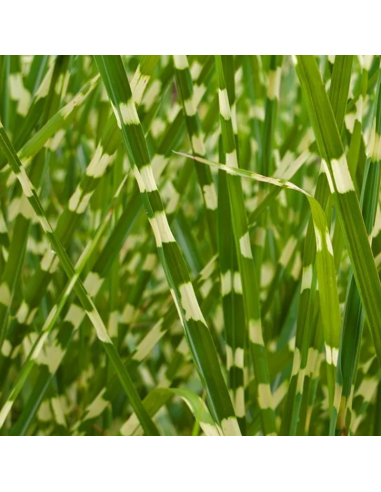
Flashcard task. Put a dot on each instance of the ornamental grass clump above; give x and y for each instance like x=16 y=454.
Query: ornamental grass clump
x=190 y=245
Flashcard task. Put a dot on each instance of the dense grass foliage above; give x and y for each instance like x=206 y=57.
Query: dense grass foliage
x=190 y=245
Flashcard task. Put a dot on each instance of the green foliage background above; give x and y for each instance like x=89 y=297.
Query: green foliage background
x=190 y=245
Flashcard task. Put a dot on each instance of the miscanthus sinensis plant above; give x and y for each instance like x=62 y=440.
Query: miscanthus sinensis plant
x=190 y=245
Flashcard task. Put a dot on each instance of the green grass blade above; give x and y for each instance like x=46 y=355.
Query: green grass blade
x=198 y=335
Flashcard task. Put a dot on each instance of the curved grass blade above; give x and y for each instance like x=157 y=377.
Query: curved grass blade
x=324 y=253
x=160 y=396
